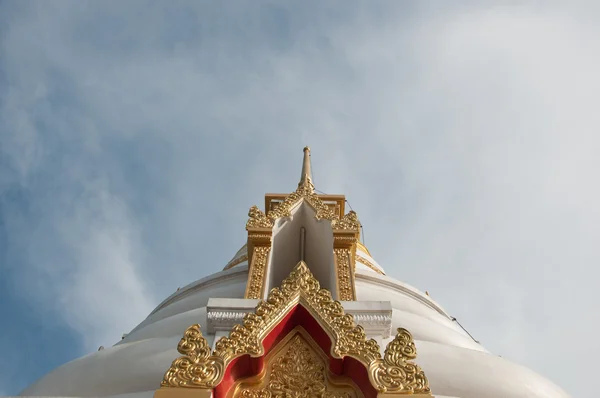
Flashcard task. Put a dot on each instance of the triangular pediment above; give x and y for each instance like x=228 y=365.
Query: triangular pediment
x=257 y=219
x=199 y=368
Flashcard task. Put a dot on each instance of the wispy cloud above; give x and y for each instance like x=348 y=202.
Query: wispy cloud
x=134 y=139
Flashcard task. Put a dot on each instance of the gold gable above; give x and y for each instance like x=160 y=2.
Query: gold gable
x=200 y=369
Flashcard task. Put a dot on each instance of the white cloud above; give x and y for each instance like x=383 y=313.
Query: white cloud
x=465 y=138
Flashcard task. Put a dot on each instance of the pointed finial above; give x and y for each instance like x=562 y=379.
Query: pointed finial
x=306 y=176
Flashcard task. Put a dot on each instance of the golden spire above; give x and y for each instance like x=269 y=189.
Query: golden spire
x=306 y=176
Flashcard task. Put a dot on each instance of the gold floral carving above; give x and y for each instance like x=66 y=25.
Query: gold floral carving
x=348 y=222
x=254 y=288
x=299 y=287
x=197 y=367
x=395 y=373
x=344 y=274
x=258 y=219
x=304 y=192
x=298 y=373
x=324 y=212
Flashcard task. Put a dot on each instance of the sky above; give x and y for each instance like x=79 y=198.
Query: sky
x=135 y=135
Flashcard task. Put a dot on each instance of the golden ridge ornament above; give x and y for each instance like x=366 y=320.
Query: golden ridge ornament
x=392 y=374
x=304 y=192
x=299 y=287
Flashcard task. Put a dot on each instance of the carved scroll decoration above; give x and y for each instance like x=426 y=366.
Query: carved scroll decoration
x=258 y=219
x=395 y=373
x=304 y=192
x=348 y=222
x=197 y=367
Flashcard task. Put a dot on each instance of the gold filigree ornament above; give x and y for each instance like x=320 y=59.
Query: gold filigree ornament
x=348 y=222
x=304 y=192
x=258 y=219
x=197 y=367
x=345 y=274
x=391 y=374
x=395 y=373
x=297 y=372
x=300 y=287
x=255 y=284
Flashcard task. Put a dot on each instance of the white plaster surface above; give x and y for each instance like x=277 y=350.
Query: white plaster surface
x=455 y=364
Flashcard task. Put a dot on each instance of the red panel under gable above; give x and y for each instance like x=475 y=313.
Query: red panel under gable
x=245 y=366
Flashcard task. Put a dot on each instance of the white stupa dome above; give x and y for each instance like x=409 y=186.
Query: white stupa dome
x=455 y=364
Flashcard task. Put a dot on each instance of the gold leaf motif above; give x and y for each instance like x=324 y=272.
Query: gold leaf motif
x=304 y=192
x=344 y=271
x=258 y=219
x=197 y=367
x=298 y=373
x=256 y=273
x=395 y=373
x=348 y=222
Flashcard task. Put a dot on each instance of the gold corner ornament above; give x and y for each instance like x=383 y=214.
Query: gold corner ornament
x=394 y=373
x=197 y=367
x=348 y=222
x=258 y=219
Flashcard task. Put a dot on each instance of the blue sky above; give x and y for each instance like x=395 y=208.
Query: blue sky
x=134 y=136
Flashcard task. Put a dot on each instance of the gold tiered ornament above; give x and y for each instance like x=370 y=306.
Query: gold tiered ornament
x=345 y=227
